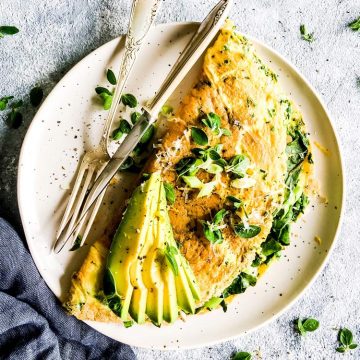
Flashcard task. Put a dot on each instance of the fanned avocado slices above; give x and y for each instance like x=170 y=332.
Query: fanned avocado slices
x=143 y=279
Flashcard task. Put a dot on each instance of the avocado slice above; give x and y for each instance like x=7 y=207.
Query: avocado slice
x=127 y=243
x=138 y=301
x=152 y=273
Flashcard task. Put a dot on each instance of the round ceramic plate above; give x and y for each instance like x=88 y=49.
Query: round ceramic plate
x=71 y=120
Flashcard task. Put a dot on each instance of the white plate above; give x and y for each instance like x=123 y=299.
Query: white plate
x=70 y=120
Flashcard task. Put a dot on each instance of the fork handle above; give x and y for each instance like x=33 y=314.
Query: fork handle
x=143 y=13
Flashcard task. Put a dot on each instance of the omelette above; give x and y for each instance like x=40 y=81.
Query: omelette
x=237 y=158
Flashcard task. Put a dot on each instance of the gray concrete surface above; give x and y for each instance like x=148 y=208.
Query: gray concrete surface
x=56 y=34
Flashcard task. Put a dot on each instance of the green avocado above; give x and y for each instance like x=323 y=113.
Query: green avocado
x=140 y=280
x=127 y=243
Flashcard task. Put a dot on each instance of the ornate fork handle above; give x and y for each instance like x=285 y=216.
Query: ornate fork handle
x=143 y=13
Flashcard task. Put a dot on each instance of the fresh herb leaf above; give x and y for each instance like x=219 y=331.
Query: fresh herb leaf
x=128 y=324
x=188 y=166
x=193 y=182
x=207 y=189
x=111 y=77
x=76 y=244
x=235 y=202
x=124 y=126
x=212 y=121
x=355 y=25
x=241 y=355
x=346 y=340
x=170 y=193
x=15 y=119
x=129 y=100
x=127 y=164
x=148 y=135
x=107 y=100
x=117 y=134
x=134 y=117
x=246 y=232
x=4 y=101
x=270 y=247
x=238 y=165
x=36 y=96
x=307 y=325
x=240 y=284
x=199 y=136
x=101 y=89
x=170 y=252
x=212 y=230
x=166 y=110
x=8 y=30
x=309 y=37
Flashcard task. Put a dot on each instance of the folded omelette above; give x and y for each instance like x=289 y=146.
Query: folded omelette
x=234 y=164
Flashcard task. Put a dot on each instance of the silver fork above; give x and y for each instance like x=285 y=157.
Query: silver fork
x=143 y=13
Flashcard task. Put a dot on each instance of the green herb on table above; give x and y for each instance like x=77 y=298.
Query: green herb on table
x=124 y=128
x=170 y=252
x=36 y=96
x=213 y=122
x=355 y=25
x=129 y=100
x=8 y=30
x=170 y=193
x=76 y=244
x=309 y=37
x=241 y=355
x=111 y=77
x=212 y=230
x=15 y=117
x=4 y=101
x=199 y=136
x=346 y=341
x=306 y=325
x=105 y=95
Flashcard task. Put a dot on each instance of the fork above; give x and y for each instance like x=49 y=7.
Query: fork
x=143 y=13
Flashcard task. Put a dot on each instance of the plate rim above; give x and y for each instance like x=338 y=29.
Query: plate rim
x=325 y=260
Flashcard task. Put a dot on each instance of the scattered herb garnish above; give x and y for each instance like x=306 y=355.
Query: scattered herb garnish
x=170 y=252
x=247 y=232
x=8 y=30
x=238 y=165
x=346 y=341
x=212 y=229
x=129 y=100
x=128 y=324
x=241 y=355
x=36 y=96
x=240 y=284
x=106 y=98
x=15 y=118
x=134 y=117
x=170 y=193
x=76 y=244
x=111 y=77
x=199 y=136
x=213 y=122
x=307 y=325
x=166 y=110
x=4 y=101
x=100 y=89
x=309 y=37
x=355 y=25
x=188 y=166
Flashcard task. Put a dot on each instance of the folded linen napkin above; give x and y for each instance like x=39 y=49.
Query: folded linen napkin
x=32 y=323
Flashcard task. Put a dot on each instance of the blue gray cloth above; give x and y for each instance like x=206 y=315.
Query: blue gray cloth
x=32 y=323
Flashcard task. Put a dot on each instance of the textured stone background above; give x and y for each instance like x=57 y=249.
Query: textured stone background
x=56 y=34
